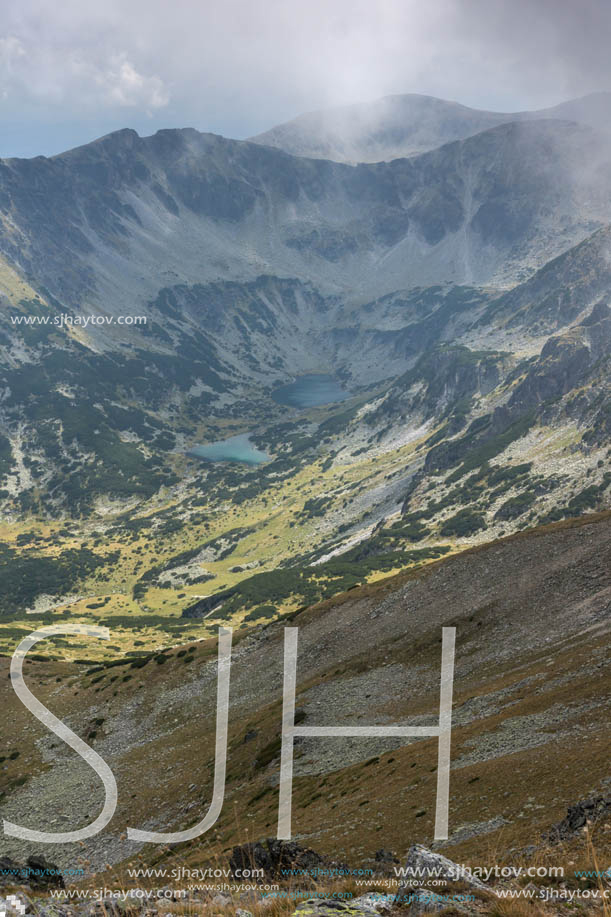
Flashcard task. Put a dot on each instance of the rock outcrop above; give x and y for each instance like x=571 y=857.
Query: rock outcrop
x=586 y=812
x=280 y=859
x=36 y=874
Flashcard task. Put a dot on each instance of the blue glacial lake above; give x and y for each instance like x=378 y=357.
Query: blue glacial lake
x=234 y=449
x=310 y=391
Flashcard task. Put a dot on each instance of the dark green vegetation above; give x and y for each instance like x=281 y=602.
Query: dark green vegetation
x=305 y=585
x=465 y=522
x=586 y=500
x=6 y=456
x=25 y=575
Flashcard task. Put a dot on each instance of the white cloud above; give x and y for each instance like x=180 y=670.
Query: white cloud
x=45 y=72
x=123 y=85
x=117 y=82
x=11 y=50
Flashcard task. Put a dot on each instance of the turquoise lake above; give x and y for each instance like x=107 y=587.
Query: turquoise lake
x=310 y=391
x=234 y=449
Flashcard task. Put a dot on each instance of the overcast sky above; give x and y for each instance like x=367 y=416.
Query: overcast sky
x=71 y=70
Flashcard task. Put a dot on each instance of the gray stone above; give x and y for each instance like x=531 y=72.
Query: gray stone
x=426 y=901
x=423 y=864
x=381 y=904
x=422 y=868
x=335 y=907
x=14 y=905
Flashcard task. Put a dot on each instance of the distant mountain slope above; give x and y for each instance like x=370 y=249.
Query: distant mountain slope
x=559 y=291
x=593 y=109
x=121 y=218
x=252 y=265
x=389 y=128
x=404 y=125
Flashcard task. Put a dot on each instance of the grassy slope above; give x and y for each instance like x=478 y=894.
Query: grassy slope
x=279 y=532
x=271 y=527
x=530 y=719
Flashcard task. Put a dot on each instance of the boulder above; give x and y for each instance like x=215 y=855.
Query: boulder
x=420 y=887
x=278 y=859
x=336 y=907
x=381 y=904
x=44 y=874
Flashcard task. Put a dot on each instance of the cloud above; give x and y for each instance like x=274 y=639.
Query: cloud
x=239 y=66
x=30 y=72
x=119 y=83
x=11 y=50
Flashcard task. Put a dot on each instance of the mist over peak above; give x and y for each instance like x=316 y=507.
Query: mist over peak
x=403 y=125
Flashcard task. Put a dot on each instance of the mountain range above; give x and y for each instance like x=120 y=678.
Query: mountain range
x=460 y=294
x=443 y=274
